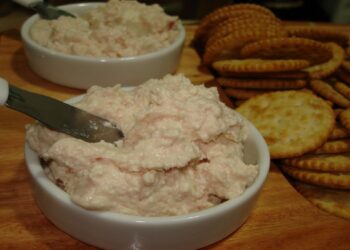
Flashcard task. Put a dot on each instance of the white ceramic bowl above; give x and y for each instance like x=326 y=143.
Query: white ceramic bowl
x=118 y=231
x=83 y=72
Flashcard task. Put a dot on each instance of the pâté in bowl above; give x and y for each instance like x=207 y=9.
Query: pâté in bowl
x=123 y=42
x=186 y=175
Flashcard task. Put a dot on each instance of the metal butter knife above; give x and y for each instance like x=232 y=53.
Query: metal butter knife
x=58 y=115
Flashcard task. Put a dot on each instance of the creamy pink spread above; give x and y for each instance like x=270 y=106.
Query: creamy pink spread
x=115 y=29
x=182 y=151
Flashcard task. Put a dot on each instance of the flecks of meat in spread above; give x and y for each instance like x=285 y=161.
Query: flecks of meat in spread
x=182 y=151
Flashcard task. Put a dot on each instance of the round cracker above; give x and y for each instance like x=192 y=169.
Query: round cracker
x=342 y=89
x=325 y=90
x=336 y=202
x=343 y=75
x=339 y=132
x=244 y=94
x=258 y=65
x=325 y=162
x=292 y=122
x=221 y=14
x=230 y=45
x=320 y=34
x=288 y=47
x=262 y=83
x=344 y=118
x=288 y=75
x=324 y=179
x=231 y=25
x=326 y=69
x=334 y=147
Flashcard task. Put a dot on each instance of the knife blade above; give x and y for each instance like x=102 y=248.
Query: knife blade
x=45 y=10
x=58 y=115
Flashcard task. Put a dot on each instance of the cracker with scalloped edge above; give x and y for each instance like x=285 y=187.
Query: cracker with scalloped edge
x=322 y=34
x=325 y=90
x=244 y=94
x=268 y=24
x=342 y=89
x=326 y=69
x=211 y=20
x=343 y=75
x=336 y=202
x=324 y=179
x=228 y=47
x=339 y=132
x=287 y=75
x=344 y=118
x=334 y=147
x=323 y=162
x=258 y=65
x=288 y=47
x=262 y=83
x=292 y=122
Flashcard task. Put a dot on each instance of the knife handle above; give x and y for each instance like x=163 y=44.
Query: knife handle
x=4 y=91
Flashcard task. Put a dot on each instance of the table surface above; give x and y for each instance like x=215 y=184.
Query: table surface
x=281 y=219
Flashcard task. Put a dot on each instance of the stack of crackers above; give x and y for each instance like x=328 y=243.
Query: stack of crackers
x=252 y=52
x=293 y=84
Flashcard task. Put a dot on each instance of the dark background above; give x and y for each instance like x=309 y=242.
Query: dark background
x=303 y=10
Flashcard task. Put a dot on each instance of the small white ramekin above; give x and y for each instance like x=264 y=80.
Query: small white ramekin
x=110 y=230
x=83 y=72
